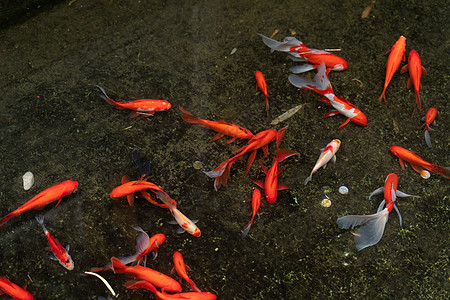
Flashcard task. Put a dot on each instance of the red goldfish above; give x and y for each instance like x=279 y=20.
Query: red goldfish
x=429 y=119
x=260 y=140
x=60 y=253
x=256 y=203
x=299 y=52
x=143 y=107
x=322 y=86
x=156 y=278
x=261 y=84
x=128 y=188
x=415 y=69
x=270 y=185
x=13 y=290
x=45 y=197
x=164 y=296
x=397 y=55
x=418 y=163
x=180 y=268
x=329 y=153
x=372 y=226
x=222 y=127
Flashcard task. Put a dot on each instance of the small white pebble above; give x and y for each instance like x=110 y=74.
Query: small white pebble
x=343 y=190
x=425 y=174
x=233 y=51
x=28 y=180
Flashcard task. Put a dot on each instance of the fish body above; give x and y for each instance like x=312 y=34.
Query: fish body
x=164 y=296
x=60 y=253
x=299 y=52
x=185 y=223
x=131 y=187
x=322 y=86
x=270 y=184
x=13 y=290
x=415 y=69
x=144 y=107
x=181 y=269
x=329 y=153
x=260 y=140
x=153 y=244
x=417 y=163
x=256 y=203
x=372 y=226
x=429 y=119
x=261 y=84
x=222 y=127
x=156 y=278
x=397 y=54
x=56 y=192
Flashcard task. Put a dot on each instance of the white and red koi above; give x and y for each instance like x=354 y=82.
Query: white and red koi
x=142 y=107
x=299 y=52
x=185 y=223
x=329 y=153
x=322 y=86
x=372 y=226
x=60 y=253
x=429 y=119
x=256 y=203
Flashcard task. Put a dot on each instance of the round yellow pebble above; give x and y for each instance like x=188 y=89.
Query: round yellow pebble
x=197 y=165
x=326 y=202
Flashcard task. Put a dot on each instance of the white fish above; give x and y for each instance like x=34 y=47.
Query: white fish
x=329 y=153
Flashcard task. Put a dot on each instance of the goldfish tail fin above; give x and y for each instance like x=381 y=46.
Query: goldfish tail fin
x=188 y=117
x=283 y=154
x=308 y=179
x=284 y=46
x=194 y=286
x=106 y=97
x=6 y=218
x=382 y=96
x=246 y=230
x=444 y=172
x=418 y=103
x=140 y=285
x=427 y=137
x=117 y=265
x=371 y=230
x=320 y=85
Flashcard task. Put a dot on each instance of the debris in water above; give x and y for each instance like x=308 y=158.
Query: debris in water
x=367 y=10
x=233 y=51
x=104 y=281
x=275 y=32
x=286 y=115
x=343 y=190
x=359 y=81
x=197 y=165
x=28 y=180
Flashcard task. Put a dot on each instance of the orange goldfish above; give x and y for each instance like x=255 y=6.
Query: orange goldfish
x=222 y=127
x=429 y=119
x=45 y=197
x=415 y=69
x=13 y=290
x=397 y=55
x=418 y=163
x=256 y=203
x=163 y=296
x=180 y=268
x=142 y=107
x=261 y=83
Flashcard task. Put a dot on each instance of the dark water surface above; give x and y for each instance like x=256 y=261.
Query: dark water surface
x=54 y=123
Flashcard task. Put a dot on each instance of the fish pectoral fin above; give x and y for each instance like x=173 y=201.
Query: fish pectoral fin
x=404 y=69
x=281 y=187
x=402 y=164
x=259 y=183
x=180 y=230
x=217 y=136
x=58 y=202
x=67 y=248
x=333 y=159
x=345 y=123
x=52 y=257
x=424 y=71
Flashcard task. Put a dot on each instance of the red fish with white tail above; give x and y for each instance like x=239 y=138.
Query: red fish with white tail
x=329 y=153
x=60 y=253
x=372 y=226
x=299 y=52
x=429 y=119
x=322 y=85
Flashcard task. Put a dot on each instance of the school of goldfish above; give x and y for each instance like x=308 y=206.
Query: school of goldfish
x=370 y=227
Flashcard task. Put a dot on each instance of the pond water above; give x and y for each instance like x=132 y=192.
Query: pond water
x=55 y=124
